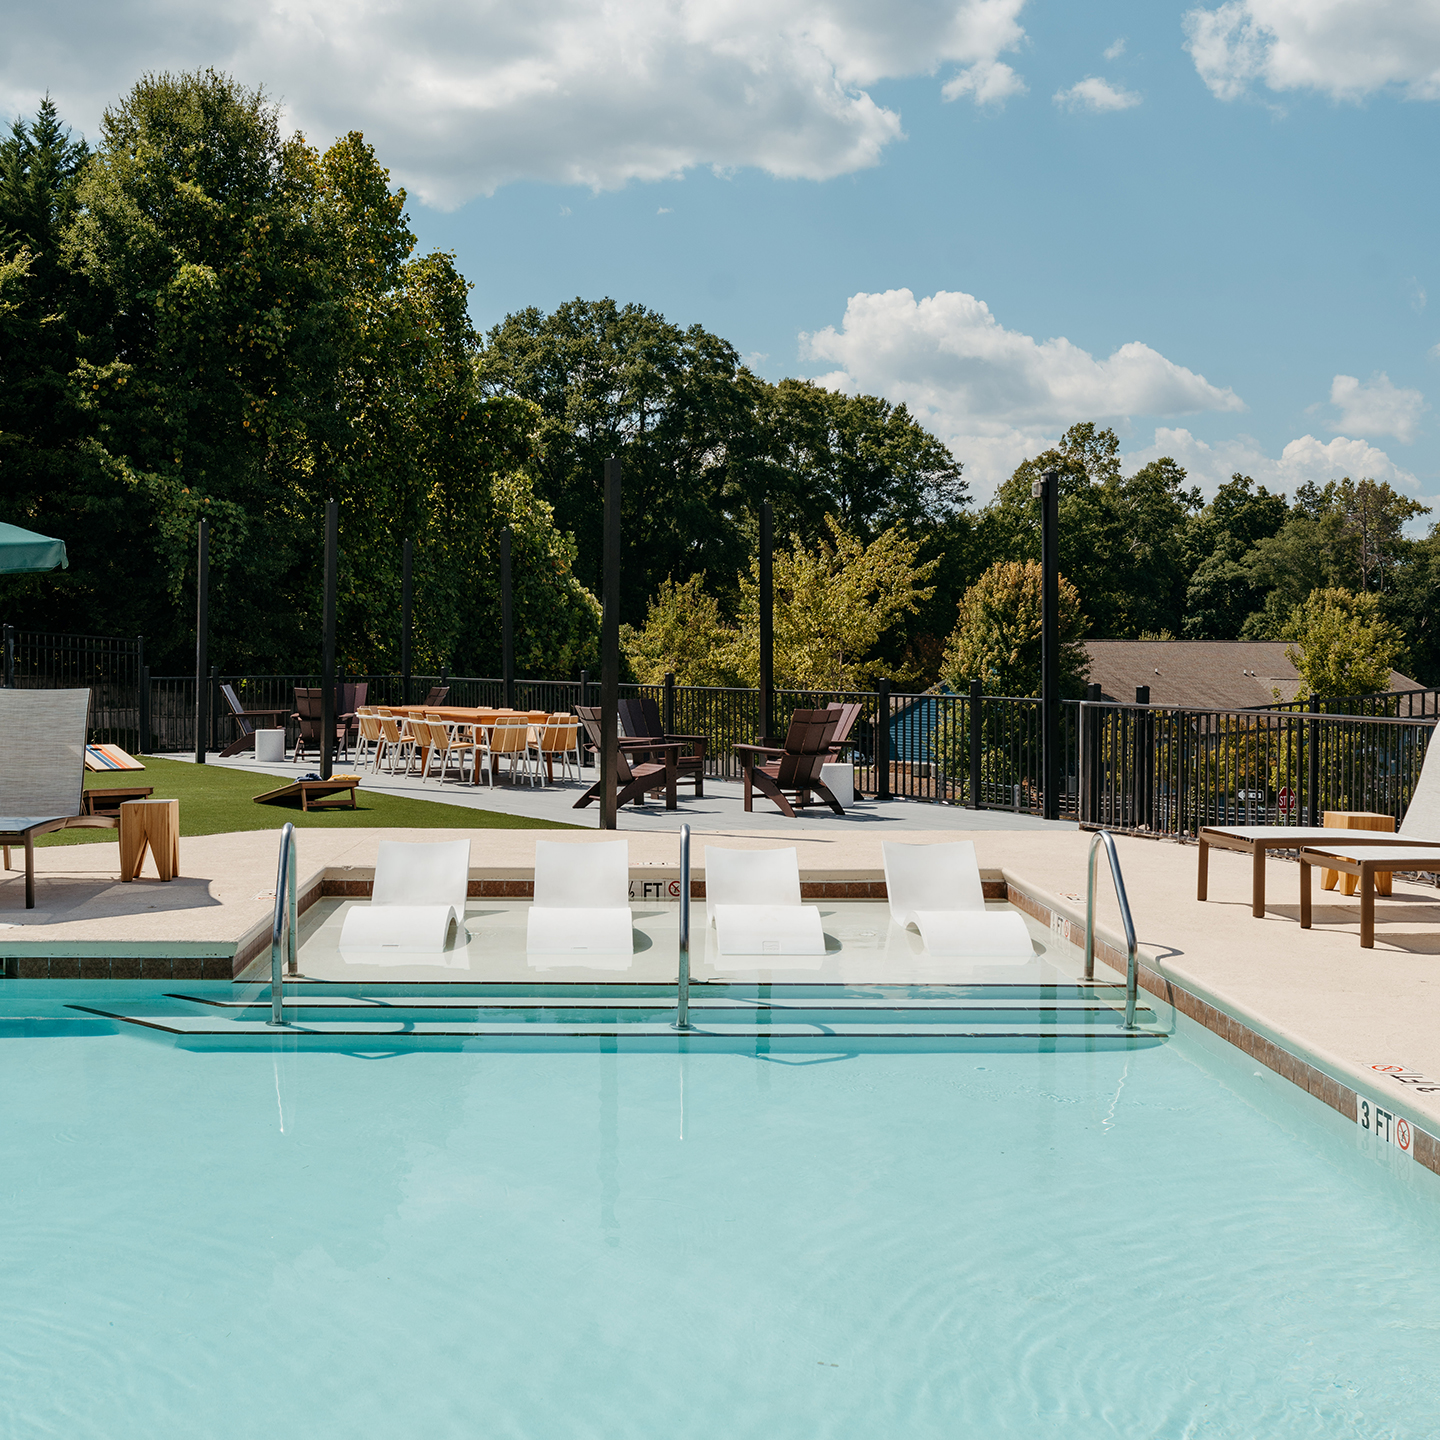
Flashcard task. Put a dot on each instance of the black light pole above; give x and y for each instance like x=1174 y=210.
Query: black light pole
x=327 y=662
x=406 y=617
x=202 y=637
x=610 y=647
x=767 y=621
x=507 y=623
x=1047 y=488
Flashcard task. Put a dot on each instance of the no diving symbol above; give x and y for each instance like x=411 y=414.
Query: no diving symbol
x=1402 y=1134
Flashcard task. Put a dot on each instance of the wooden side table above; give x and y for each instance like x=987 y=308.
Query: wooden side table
x=1356 y=820
x=152 y=823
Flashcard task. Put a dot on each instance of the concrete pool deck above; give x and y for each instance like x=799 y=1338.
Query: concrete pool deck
x=1315 y=995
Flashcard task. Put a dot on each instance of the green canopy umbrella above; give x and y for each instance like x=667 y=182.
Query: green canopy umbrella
x=23 y=550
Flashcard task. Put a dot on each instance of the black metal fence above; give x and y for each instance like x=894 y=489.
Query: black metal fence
x=1162 y=770
x=113 y=670
x=1169 y=770
x=1398 y=704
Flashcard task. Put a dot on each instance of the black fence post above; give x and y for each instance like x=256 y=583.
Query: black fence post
x=145 y=737
x=1144 y=761
x=767 y=623
x=9 y=657
x=610 y=647
x=202 y=636
x=407 y=613
x=882 y=739
x=327 y=660
x=212 y=705
x=507 y=624
x=142 y=698
x=977 y=708
x=668 y=717
x=1312 y=767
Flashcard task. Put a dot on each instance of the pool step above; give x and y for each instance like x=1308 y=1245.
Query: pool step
x=1081 y=1015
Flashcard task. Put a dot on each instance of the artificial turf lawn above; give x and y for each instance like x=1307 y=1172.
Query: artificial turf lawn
x=214 y=800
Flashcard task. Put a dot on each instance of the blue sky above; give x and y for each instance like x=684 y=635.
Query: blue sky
x=1220 y=243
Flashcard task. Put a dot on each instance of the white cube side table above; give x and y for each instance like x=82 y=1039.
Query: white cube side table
x=270 y=746
x=841 y=780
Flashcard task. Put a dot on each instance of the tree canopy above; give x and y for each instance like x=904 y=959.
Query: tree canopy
x=243 y=332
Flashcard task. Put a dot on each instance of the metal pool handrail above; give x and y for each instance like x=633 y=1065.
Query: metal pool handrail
x=682 y=997
x=1131 y=968
x=282 y=935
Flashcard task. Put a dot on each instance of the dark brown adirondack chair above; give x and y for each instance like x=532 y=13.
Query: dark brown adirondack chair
x=245 y=721
x=437 y=694
x=632 y=781
x=640 y=720
x=794 y=769
x=849 y=714
x=308 y=704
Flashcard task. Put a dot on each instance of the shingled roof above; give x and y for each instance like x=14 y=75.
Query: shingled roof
x=1224 y=674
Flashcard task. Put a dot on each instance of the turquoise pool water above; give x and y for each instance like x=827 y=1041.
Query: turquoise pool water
x=596 y=1243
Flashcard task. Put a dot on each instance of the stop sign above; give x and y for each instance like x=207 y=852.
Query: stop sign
x=1285 y=801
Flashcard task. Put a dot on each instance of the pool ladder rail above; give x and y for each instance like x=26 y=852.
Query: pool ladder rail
x=283 y=927
x=1132 y=969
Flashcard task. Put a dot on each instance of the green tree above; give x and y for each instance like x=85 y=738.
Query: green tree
x=855 y=457
x=1343 y=645
x=997 y=637
x=833 y=603
x=43 y=466
x=1120 y=538
x=675 y=405
x=685 y=635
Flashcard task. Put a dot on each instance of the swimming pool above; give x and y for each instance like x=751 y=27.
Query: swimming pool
x=594 y=1241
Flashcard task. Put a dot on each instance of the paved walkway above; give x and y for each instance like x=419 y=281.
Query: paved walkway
x=721 y=808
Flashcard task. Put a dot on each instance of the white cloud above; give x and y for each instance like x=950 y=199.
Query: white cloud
x=465 y=95
x=1116 y=50
x=1304 y=459
x=1096 y=95
x=1376 y=407
x=996 y=395
x=1341 y=48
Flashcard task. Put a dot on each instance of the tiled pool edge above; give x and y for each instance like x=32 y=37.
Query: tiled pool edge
x=1289 y=1063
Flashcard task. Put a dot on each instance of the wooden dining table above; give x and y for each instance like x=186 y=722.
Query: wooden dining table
x=485 y=717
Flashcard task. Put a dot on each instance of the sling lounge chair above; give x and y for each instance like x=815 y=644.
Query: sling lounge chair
x=417 y=902
x=1421 y=826
x=752 y=898
x=937 y=889
x=794 y=769
x=248 y=721
x=582 y=902
x=43 y=779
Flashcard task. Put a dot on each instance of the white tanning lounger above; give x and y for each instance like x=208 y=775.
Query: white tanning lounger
x=582 y=900
x=752 y=898
x=937 y=889
x=418 y=900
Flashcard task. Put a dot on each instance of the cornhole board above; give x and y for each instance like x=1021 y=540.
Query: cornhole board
x=311 y=792
x=109 y=757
